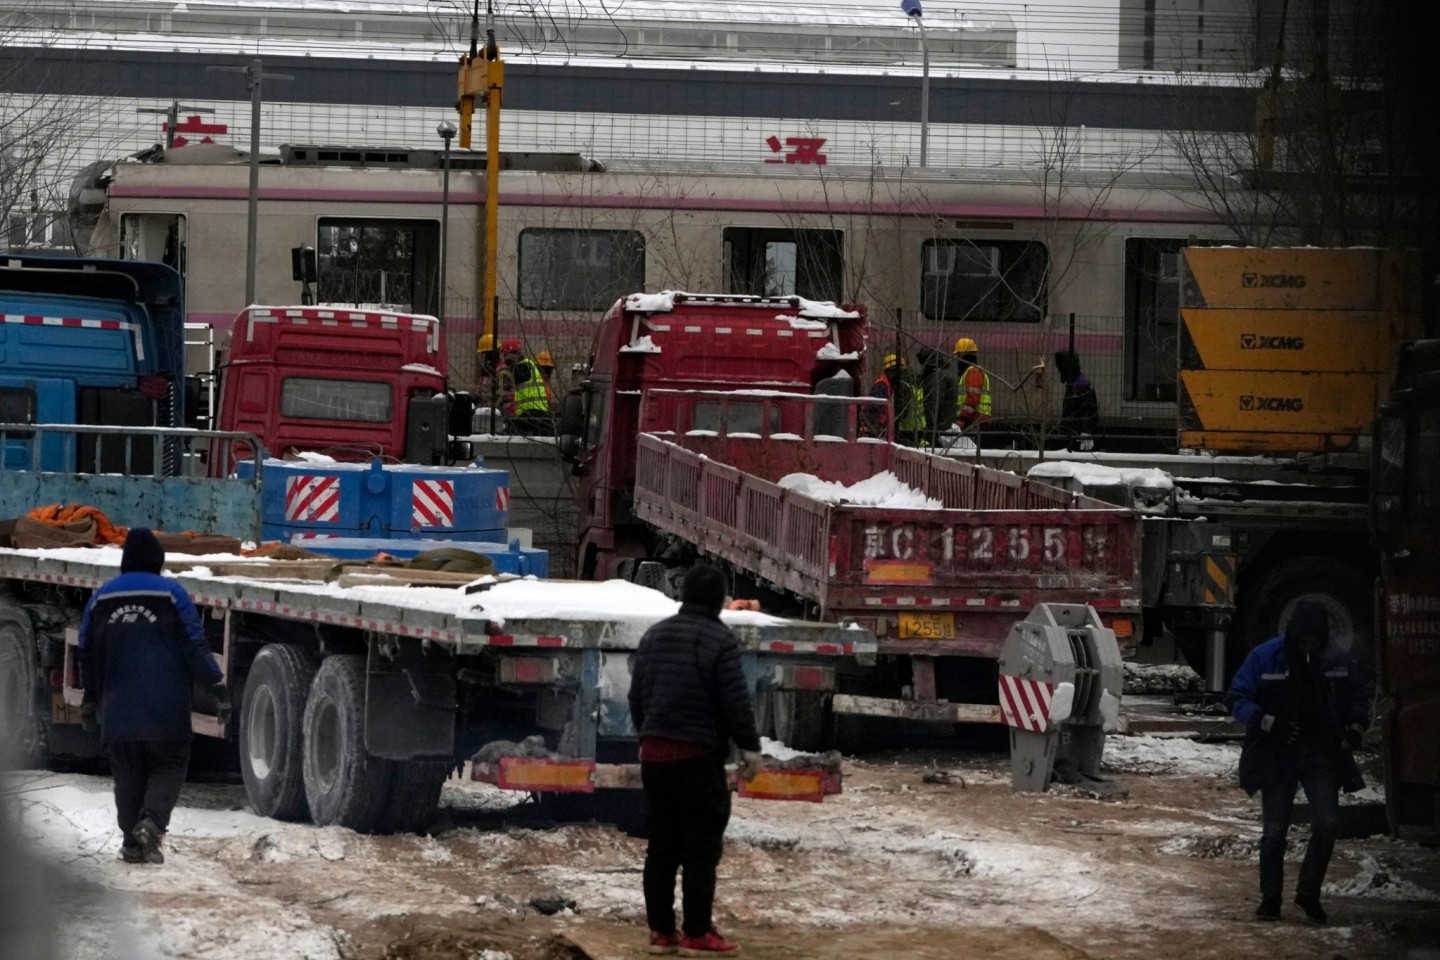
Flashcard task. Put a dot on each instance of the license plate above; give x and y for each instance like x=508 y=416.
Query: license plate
x=927 y=626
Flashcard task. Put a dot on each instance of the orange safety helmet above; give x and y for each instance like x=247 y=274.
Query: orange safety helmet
x=544 y=359
x=966 y=345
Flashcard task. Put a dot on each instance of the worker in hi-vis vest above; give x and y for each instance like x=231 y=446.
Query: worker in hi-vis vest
x=528 y=406
x=906 y=398
x=972 y=398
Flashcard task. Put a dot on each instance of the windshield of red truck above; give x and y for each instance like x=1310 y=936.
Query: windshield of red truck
x=316 y=398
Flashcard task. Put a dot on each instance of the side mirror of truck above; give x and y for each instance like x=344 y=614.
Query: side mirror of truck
x=571 y=442
x=196 y=416
x=462 y=413
x=426 y=440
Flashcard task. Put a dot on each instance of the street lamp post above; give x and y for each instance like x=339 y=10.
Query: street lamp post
x=912 y=9
x=446 y=129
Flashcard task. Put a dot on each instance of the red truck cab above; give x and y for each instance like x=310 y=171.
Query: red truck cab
x=681 y=341
x=355 y=383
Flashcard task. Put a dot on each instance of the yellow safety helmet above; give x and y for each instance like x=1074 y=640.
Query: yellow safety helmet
x=893 y=360
x=966 y=345
x=544 y=359
x=485 y=344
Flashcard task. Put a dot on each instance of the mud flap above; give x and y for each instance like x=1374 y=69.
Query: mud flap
x=410 y=705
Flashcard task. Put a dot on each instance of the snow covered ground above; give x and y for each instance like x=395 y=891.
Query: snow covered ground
x=1169 y=870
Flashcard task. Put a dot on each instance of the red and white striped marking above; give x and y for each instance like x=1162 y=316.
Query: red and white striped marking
x=432 y=503
x=502 y=498
x=1025 y=703
x=33 y=320
x=324 y=317
x=312 y=499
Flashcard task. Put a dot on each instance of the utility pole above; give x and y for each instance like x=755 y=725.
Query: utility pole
x=172 y=117
x=254 y=74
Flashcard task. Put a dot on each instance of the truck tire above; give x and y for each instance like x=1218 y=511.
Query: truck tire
x=1264 y=607
x=272 y=725
x=19 y=742
x=800 y=719
x=344 y=785
x=414 y=795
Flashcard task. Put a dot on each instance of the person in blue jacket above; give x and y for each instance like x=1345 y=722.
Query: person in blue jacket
x=142 y=648
x=1305 y=707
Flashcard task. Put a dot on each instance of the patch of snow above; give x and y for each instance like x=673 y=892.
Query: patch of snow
x=824 y=310
x=882 y=490
x=310 y=456
x=421 y=368
x=842 y=374
x=786 y=436
x=1374 y=879
x=1144 y=754
x=832 y=352
x=662 y=302
x=778 y=750
x=701 y=433
x=642 y=345
x=1099 y=475
x=803 y=322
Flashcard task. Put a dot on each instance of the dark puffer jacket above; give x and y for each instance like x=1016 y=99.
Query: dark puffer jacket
x=686 y=683
x=141 y=647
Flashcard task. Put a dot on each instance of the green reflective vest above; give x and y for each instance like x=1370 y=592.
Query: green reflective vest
x=984 y=408
x=532 y=396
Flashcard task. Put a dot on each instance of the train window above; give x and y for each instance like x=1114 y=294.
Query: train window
x=983 y=280
x=313 y=398
x=378 y=263
x=1152 y=317
x=778 y=263
x=564 y=269
x=153 y=236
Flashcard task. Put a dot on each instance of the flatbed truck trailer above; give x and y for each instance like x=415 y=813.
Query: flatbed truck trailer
x=355 y=702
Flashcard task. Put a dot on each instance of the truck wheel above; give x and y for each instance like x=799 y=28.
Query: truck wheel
x=415 y=787
x=1265 y=606
x=18 y=739
x=799 y=718
x=272 y=723
x=344 y=785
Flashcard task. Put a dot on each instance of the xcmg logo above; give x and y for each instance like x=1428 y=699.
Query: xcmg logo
x=1255 y=341
x=1272 y=404
x=1294 y=281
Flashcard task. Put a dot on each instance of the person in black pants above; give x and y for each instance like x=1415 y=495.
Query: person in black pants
x=688 y=700
x=1305 y=707
x=142 y=647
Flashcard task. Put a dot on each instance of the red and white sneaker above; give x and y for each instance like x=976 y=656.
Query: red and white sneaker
x=663 y=943
x=712 y=944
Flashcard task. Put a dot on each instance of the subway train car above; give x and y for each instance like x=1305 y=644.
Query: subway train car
x=1026 y=262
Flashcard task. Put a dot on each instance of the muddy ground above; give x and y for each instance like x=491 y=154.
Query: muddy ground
x=893 y=867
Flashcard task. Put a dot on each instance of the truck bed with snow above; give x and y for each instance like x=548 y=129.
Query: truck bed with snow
x=937 y=557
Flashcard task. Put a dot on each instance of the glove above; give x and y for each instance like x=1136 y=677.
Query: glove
x=89 y=721
x=1350 y=739
x=749 y=766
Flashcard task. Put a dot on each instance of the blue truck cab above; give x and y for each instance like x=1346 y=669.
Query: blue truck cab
x=88 y=342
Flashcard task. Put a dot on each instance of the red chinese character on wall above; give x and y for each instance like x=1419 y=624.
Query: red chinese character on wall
x=195 y=125
x=803 y=150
